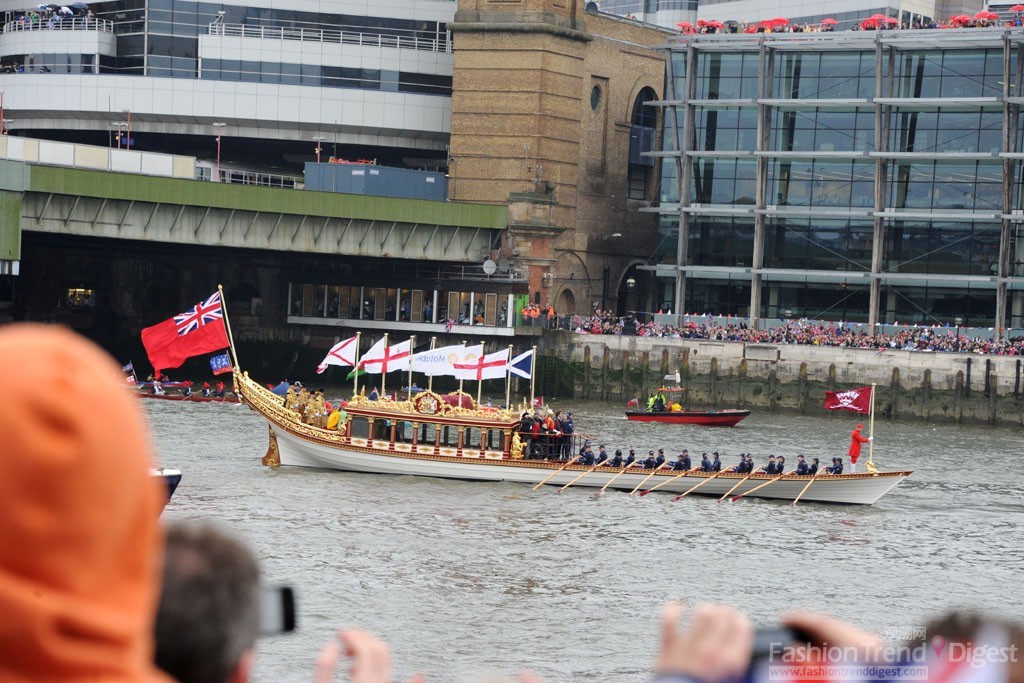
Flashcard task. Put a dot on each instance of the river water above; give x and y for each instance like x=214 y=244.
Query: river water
x=467 y=579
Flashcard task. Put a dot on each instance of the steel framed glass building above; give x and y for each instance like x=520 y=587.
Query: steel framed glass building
x=860 y=176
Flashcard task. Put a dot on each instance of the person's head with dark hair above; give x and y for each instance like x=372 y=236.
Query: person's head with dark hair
x=208 y=617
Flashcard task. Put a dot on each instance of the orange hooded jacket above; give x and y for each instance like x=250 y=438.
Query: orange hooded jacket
x=80 y=545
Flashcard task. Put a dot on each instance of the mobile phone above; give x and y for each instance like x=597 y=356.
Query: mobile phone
x=277 y=610
x=774 y=638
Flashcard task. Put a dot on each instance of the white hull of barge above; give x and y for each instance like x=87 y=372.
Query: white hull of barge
x=861 y=489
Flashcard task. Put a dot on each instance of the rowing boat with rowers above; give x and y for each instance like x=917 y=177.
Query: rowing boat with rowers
x=189 y=398
x=426 y=436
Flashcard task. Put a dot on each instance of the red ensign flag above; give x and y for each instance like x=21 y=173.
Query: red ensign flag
x=856 y=400
x=200 y=330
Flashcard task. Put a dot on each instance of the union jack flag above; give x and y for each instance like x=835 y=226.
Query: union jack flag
x=204 y=313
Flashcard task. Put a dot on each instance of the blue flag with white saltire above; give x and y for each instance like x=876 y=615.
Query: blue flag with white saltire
x=522 y=365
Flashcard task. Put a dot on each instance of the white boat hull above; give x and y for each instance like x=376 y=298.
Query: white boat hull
x=862 y=489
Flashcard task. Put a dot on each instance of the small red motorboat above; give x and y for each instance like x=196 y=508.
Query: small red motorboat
x=673 y=413
x=729 y=417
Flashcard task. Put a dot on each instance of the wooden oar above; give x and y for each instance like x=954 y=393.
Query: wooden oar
x=819 y=471
x=760 y=486
x=556 y=472
x=695 y=487
x=735 y=486
x=644 y=481
x=670 y=480
x=577 y=478
x=617 y=475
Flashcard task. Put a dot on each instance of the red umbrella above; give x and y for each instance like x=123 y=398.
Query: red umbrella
x=750 y=28
x=960 y=19
x=686 y=27
x=878 y=17
x=891 y=20
x=714 y=23
x=1017 y=8
x=779 y=21
x=986 y=15
x=869 y=23
x=830 y=20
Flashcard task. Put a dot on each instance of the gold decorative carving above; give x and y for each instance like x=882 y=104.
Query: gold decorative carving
x=273 y=456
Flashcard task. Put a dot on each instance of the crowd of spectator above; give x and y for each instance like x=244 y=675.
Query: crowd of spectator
x=805 y=332
x=877 y=22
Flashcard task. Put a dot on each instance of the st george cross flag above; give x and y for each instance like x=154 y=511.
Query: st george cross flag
x=343 y=353
x=220 y=364
x=382 y=358
x=491 y=366
x=522 y=365
x=856 y=400
x=192 y=333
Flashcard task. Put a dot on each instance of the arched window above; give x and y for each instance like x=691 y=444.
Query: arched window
x=643 y=122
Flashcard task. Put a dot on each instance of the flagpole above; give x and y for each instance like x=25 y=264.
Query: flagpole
x=412 y=349
x=508 y=380
x=227 y=324
x=871 y=429
x=533 y=375
x=355 y=370
x=430 y=380
x=460 y=378
x=480 y=381
x=383 y=375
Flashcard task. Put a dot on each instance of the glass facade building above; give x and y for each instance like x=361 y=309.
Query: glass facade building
x=860 y=176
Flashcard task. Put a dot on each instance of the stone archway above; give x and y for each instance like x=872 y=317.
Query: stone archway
x=566 y=304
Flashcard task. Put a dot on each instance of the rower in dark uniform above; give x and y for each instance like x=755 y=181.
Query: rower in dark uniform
x=716 y=464
x=660 y=460
x=650 y=462
x=770 y=467
x=587 y=456
x=780 y=464
x=705 y=464
x=602 y=455
x=801 y=465
x=812 y=469
x=838 y=467
x=631 y=459
x=685 y=457
x=617 y=460
x=741 y=466
x=678 y=464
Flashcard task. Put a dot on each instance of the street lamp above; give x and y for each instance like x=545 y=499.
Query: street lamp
x=119 y=126
x=958 y=321
x=218 y=125
x=319 y=139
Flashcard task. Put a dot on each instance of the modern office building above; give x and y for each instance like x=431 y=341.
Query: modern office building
x=277 y=83
x=863 y=176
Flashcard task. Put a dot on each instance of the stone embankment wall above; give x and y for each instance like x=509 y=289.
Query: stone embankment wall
x=916 y=385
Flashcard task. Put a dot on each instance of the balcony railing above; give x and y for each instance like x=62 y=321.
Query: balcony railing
x=400 y=42
x=65 y=24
